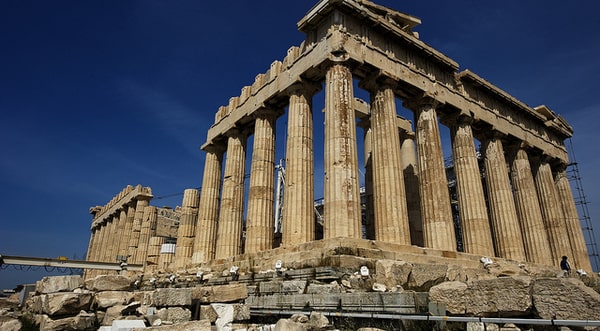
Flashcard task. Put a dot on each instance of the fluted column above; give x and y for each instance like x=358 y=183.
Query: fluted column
x=134 y=239
x=187 y=228
x=229 y=232
x=411 y=184
x=365 y=124
x=342 y=210
x=391 y=216
x=99 y=245
x=477 y=235
x=535 y=238
x=147 y=231
x=298 y=224
x=112 y=239
x=581 y=259
x=127 y=229
x=504 y=221
x=208 y=214
x=261 y=193
x=438 y=225
x=552 y=213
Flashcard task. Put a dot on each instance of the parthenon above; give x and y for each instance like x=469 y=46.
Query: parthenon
x=513 y=197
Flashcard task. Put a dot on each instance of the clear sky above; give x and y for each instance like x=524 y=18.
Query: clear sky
x=96 y=95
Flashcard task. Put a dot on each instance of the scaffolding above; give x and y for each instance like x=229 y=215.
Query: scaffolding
x=582 y=209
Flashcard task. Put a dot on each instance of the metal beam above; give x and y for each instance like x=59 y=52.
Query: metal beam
x=66 y=263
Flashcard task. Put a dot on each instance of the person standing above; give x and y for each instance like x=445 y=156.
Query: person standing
x=565 y=267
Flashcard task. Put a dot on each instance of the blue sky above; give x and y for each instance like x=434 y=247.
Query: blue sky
x=96 y=95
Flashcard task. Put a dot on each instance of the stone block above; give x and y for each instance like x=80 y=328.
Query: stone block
x=62 y=303
x=565 y=298
x=288 y=325
x=392 y=273
x=507 y=296
x=112 y=313
x=127 y=325
x=103 y=300
x=58 y=284
x=202 y=325
x=424 y=276
x=10 y=324
x=169 y=297
x=108 y=283
x=324 y=288
x=83 y=321
x=208 y=313
x=220 y=293
x=178 y=314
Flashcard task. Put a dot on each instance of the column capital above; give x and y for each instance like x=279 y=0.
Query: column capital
x=214 y=148
x=237 y=133
x=420 y=101
x=266 y=113
x=303 y=86
x=377 y=81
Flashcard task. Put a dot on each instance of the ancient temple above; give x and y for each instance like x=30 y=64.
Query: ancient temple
x=513 y=198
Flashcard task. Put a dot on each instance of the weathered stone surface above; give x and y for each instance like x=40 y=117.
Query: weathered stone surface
x=61 y=303
x=317 y=320
x=108 y=283
x=459 y=274
x=424 y=276
x=178 y=314
x=509 y=296
x=288 y=325
x=202 y=325
x=379 y=287
x=107 y=299
x=83 y=321
x=10 y=324
x=127 y=324
x=291 y=287
x=370 y=329
x=223 y=293
x=58 y=284
x=392 y=273
x=324 y=288
x=299 y=318
x=112 y=313
x=208 y=313
x=167 y=297
x=565 y=298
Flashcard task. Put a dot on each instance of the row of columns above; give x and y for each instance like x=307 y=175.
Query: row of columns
x=120 y=235
x=529 y=210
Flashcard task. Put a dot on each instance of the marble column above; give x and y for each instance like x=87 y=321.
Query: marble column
x=229 y=231
x=391 y=216
x=503 y=214
x=369 y=202
x=187 y=228
x=477 y=235
x=436 y=213
x=298 y=224
x=552 y=214
x=208 y=213
x=134 y=240
x=147 y=231
x=342 y=209
x=127 y=230
x=120 y=234
x=99 y=245
x=260 y=223
x=535 y=238
x=408 y=153
x=112 y=238
x=580 y=259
